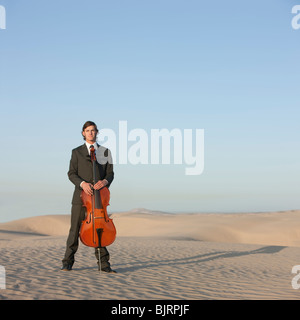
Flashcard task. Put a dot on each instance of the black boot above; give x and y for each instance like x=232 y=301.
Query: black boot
x=67 y=267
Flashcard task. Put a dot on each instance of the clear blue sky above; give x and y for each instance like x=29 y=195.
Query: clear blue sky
x=228 y=67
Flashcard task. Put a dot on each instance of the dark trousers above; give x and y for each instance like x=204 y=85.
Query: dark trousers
x=77 y=215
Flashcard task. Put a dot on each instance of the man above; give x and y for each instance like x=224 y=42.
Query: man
x=81 y=174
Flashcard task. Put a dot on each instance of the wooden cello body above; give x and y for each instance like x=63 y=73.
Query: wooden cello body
x=97 y=230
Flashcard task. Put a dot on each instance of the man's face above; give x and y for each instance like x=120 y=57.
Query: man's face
x=90 y=134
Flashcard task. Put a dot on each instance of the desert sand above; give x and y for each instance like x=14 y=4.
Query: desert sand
x=157 y=256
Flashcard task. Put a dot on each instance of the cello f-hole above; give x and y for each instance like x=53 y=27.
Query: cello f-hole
x=90 y=218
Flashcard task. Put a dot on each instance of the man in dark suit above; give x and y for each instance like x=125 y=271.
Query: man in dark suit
x=81 y=175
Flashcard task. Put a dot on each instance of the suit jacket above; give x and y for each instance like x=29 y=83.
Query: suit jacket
x=81 y=169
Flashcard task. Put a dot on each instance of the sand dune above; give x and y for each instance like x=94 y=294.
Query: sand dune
x=276 y=228
x=157 y=256
x=53 y=225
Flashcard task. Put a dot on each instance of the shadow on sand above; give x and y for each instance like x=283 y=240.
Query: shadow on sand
x=201 y=258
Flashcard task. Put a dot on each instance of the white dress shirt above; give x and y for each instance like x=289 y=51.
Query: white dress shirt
x=89 y=145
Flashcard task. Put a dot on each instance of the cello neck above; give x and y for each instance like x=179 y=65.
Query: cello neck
x=96 y=196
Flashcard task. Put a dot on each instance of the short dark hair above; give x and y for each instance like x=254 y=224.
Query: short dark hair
x=88 y=124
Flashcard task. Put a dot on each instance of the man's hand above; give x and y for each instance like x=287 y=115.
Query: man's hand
x=87 y=188
x=100 y=184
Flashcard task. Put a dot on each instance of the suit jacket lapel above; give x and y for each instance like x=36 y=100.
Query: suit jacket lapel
x=83 y=150
x=85 y=154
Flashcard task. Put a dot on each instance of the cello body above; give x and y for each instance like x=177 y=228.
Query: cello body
x=97 y=230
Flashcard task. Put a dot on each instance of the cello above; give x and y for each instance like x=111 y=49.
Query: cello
x=97 y=229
